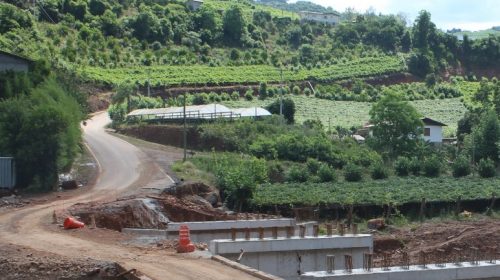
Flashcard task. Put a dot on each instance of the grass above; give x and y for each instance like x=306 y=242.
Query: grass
x=351 y=113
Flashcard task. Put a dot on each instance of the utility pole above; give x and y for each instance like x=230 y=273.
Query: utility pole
x=281 y=92
x=185 y=132
x=149 y=83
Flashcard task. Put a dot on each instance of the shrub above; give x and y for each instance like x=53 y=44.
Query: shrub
x=307 y=91
x=296 y=90
x=432 y=166
x=249 y=95
x=379 y=172
x=288 y=109
x=313 y=165
x=486 y=168
x=402 y=166
x=225 y=96
x=263 y=91
x=200 y=99
x=415 y=166
x=235 y=96
x=461 y=167
x=297 y=174
x=326 y=173
x=352 y=173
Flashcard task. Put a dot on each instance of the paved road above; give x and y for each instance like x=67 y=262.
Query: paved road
x=121 y=165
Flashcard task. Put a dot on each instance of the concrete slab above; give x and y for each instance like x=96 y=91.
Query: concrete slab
x=287 y=244
x=465 y=271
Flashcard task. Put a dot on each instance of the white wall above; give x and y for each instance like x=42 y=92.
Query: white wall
x=436 y=135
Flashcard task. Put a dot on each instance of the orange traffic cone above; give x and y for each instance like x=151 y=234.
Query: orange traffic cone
x=185 y=245
x=72 y=223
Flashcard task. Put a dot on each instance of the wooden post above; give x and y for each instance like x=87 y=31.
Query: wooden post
x=349 y=215
x=422 y=210
x=457 y=209
x=492 y=204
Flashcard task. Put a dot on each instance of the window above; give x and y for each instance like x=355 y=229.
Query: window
x=427 y=131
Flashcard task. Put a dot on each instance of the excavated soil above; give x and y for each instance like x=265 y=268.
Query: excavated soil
x=24 y=263
x=190 y=202
x=429 y=237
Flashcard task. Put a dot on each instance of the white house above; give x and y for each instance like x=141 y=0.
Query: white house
x=328 y=18
x=433 y=130
x=194 y=4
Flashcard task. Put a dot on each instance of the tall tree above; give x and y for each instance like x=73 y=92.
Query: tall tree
x=423 y=30
x=234 y=26
x=396 y=125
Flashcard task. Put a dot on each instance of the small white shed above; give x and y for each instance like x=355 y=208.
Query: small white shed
x=433 y=130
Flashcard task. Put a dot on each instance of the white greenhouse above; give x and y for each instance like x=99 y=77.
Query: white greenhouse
x=197 y=112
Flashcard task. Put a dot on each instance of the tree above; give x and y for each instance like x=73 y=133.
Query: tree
x=485 y=137
x=288 y=109
x=423 y=30
x=406 y=41
x=234 y=26
x=396 y=125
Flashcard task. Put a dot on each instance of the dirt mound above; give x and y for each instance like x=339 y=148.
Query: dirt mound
x=429 y=237
x=23 y=263
x=128 y=212
x=196 y=190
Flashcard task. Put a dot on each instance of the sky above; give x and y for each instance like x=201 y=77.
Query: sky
x=446 y=14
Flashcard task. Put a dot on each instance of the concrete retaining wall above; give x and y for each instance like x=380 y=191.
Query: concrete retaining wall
x=290 y=257
x=466 y=271
x=207 y=231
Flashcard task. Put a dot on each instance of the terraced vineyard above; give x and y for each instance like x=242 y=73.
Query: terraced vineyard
x=350 y=113
x=201 y=75
x=394 y=190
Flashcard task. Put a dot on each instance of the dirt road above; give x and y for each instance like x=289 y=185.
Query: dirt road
x=123 y=167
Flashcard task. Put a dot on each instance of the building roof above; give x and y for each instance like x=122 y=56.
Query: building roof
x=208 y=111
x=16 y=56
x=429 y=121
x=252 y=112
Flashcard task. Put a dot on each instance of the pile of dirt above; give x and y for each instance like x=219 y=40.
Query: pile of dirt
x=429 y=237
x=24 y=263
x=190 y=202
x=124 y=213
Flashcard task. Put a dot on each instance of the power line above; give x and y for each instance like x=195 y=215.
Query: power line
x=45 y=12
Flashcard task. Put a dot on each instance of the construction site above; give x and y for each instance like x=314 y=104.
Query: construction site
x=134 y=219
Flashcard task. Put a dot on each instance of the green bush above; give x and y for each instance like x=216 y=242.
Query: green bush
x=353 y=173
x=432 y=167
x=461 y=167
x=264 y=147
x=415 y=166
x=379 y=171
x=200 y=99
x=313 y=165
x=326 y=173
x=402 y=166
x=486 y=168
x=249 y=95
x=297 y=174
x=296 y=90
x=235 y=96
x=307 y=91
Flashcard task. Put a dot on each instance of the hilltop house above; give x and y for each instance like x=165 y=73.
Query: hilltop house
x=12 y=62
x=433 y=131
x=194 y=5
x=331 y=18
